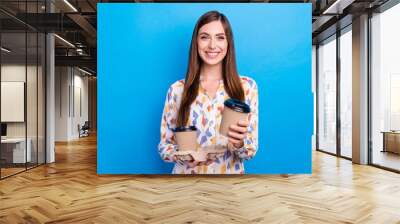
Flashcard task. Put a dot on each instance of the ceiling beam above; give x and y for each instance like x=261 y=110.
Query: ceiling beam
x=337 y=6
x=85 y=25
x=83 y=61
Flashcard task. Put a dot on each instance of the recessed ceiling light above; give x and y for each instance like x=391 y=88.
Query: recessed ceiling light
x=64 y=40
x=84 y=71
x=5 y=50
x=337 y=7
x=71 y=6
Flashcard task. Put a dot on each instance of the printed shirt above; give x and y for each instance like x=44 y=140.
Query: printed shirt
x=206 y=115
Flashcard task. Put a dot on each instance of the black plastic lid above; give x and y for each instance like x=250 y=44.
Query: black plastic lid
x=187 y=128
x=237 y=105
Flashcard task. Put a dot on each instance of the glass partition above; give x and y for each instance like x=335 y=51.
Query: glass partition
x=327 y=95
x=22 y=88
x=14 y=153
x=32 y=95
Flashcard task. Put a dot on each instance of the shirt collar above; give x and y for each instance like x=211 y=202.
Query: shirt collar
x=202 y=78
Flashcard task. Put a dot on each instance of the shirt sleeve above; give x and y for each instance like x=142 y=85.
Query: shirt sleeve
x=167 y=146
x=250 y=146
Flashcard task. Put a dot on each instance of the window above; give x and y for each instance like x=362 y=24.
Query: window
x=327 y=95
x=385 y=88
x=346 y=92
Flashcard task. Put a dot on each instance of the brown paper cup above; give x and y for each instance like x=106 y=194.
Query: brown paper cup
x=230 y=117
x=186 y=139
x=234 y=111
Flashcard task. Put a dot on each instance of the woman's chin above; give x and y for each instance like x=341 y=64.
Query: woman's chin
x=212 y=62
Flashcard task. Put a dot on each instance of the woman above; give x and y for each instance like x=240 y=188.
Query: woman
x=198 y=100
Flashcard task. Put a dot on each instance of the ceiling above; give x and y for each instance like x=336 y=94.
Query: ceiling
x=75 y=23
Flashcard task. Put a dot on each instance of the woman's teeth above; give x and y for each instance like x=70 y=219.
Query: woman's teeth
x=212 y=54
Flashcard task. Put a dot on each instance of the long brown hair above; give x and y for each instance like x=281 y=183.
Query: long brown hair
x=230 y=75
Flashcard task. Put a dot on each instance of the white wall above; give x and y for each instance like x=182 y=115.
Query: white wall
x=12 y=73
x=71 y=93
x=81 y=89
x=62 y=81
x=33 y=127
x=13 y=101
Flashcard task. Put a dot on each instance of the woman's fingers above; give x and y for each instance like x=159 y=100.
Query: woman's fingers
x=235 y=135
x=235 y=141
x=193 y=163
x=243 y=123
x=237 y=128
x=238 y=132
x=178 y=159
x=182 y=159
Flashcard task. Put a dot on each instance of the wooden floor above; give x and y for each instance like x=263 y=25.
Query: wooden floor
x=69 y=191
x=5 y=172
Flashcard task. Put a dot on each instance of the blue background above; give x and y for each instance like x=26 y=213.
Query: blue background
x=143 y=49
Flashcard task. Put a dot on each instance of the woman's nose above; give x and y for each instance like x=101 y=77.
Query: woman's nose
x=212 y=45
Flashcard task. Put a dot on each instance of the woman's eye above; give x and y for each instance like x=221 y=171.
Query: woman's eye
x=221 y=38
x=204 y=37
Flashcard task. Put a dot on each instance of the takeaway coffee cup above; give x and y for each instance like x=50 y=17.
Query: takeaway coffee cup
x=186 y=138
x=234 y=111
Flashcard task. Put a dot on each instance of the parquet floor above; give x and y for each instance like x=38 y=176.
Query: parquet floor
x=10 y=171
x=69 y=191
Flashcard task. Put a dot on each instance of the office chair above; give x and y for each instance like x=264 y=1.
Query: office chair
x=84 y=130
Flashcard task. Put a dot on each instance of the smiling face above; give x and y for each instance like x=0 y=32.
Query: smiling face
x=212 y=43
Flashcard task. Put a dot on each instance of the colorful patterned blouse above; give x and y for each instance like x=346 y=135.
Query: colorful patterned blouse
x=206 y=114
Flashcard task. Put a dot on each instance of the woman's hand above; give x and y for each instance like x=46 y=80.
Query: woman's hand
x=237 y=133
x=183 y=160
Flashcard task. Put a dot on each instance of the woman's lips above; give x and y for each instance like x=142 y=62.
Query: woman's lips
x=212 y=54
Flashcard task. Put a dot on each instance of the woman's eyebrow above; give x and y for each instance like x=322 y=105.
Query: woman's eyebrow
x=218 y=34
